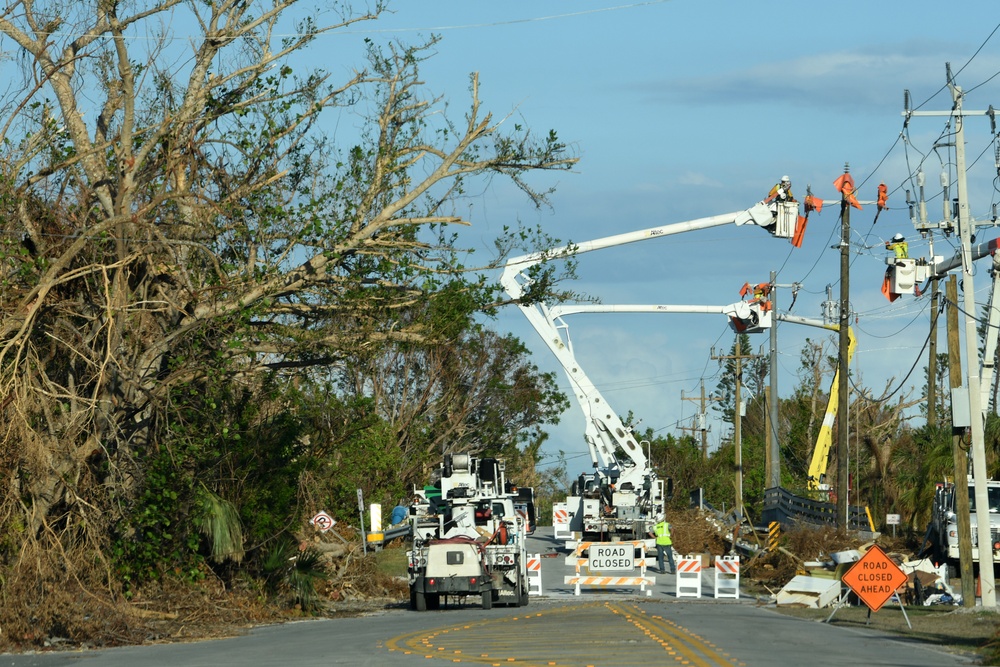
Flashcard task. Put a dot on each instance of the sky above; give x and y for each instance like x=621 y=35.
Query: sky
x=682 y=109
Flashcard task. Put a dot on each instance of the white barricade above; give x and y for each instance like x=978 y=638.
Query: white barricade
x=560 y=522
x=534 y=574
x=594 y=577
x=727 y=577
x=689 y=577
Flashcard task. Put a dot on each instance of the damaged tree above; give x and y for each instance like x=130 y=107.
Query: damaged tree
x=176 y=226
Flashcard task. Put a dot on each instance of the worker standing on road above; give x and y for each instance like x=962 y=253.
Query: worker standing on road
x=661 y=531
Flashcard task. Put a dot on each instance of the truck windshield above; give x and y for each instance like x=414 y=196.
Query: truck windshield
x=994 y=495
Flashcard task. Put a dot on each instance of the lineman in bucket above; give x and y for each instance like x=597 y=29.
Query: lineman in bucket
x=661 y=531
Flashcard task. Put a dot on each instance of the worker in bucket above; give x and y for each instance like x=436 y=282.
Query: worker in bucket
x=781 y=192
x=899 y=246
x=661 y=531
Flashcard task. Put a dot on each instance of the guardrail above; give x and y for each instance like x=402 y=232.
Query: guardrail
x=388 y=535
x=786 y=508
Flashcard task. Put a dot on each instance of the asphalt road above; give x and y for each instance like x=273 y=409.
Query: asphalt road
x=603 y=627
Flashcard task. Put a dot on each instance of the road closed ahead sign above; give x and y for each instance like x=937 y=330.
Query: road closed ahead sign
x=874 y=578
x=611 y=557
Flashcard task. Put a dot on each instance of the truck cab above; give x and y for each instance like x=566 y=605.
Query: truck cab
x=944 y=522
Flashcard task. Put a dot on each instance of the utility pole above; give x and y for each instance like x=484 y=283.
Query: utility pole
x=958 y=452
x=773 y=444
x=932 y=357
x=843 y=522
x=738 y=356
x=965 y=223
x=701 y=424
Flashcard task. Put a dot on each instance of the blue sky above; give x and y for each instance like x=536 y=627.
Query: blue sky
x=682 y=109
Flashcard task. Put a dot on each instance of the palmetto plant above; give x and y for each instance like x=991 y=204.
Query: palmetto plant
x=220 y=523
x=296 y=572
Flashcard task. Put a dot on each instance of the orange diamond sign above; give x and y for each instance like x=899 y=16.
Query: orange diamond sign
x=874 y=578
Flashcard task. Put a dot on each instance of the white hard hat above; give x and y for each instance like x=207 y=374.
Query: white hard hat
x=898 y=237
x=785 y=179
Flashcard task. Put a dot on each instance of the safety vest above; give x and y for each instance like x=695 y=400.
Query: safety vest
x=901 y=248
x=662 y=532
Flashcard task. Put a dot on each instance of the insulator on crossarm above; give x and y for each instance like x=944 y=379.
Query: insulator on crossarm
x=946 y=198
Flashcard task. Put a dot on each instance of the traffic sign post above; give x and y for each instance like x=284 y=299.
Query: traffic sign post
x=892 y=520
x=875 y=578
x=361 y=513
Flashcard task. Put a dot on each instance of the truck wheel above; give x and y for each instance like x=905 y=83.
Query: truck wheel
x=487 y=599
x=522 y=600
x=419 y=601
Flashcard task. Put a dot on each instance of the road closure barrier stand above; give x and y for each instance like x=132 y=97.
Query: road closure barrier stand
x=689 y=577
x=727 y=577
x=603 y=580
x=560 y=522
x=534 y=574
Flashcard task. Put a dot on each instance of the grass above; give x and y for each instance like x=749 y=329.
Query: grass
x=391 y=561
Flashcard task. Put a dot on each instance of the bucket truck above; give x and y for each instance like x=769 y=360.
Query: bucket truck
x=614 y=506
x=469 y=538
x=622 y=496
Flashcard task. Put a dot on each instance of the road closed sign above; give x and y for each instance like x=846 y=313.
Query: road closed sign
x=611 y=557
x=874 y=578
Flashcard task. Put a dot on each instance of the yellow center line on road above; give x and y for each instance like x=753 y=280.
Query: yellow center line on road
x=595 y=634
x=679 y=642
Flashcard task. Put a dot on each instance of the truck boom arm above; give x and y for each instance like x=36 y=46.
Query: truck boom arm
x=605 y=433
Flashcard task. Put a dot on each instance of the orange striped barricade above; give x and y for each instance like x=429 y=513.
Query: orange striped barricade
x=534 y=574
x=727 y=577
x=606 y=557
x=560 y=522
x=689 y=577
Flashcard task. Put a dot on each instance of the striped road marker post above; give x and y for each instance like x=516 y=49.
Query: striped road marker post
x=773 y=535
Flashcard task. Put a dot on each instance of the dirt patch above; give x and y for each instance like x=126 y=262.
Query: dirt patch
x=968 y=632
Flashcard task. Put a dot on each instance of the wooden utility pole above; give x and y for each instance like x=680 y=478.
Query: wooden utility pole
x=843 y=396
x=773 y=443
x=700 y=422
x=769 y=458
x=738 y=356
x=958 y=451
